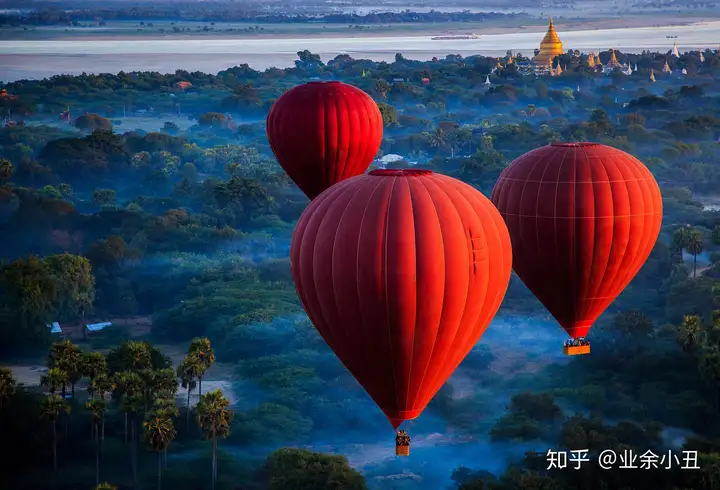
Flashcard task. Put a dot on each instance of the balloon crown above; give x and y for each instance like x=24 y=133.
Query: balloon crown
x=574 y=145
x=324 y=81
x=399 y=172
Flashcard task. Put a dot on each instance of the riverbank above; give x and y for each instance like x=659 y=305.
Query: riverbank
x=22 y=59
x=157 y=30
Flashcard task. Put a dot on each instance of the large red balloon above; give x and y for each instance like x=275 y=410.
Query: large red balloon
x=324 y=132
x=401 y=271
x=583 y=219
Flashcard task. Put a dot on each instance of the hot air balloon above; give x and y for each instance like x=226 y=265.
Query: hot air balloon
x=583 y=219
x=324 y=132
x=401 y=271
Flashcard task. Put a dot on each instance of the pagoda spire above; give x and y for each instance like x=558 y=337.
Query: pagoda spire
x=675 y=50
x=702 y=58
x=652 y=75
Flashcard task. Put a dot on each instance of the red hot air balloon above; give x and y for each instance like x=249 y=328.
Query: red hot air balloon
x=401 y=271
x=324 y=132
x=583 y=219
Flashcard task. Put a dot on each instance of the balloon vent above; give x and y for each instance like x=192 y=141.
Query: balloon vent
x=574 y=145
x=399 y=172
x=324 y=81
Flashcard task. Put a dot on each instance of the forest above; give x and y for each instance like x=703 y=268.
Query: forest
x=180 y=237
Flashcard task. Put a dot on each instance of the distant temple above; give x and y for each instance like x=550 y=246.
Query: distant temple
x=550 y=47
x=6 y=96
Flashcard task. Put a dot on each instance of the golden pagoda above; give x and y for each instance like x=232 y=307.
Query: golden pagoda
x=613 y=59
x=591 y=60
x=666 y=68
x=652 y=75
x=558 y=70
x=550 y=47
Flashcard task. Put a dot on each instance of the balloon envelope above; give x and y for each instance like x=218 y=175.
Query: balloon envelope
x=583 y=219
x=323 y=133
x=401 y=272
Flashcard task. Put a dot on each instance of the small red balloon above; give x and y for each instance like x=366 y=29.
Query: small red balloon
x=324 y=132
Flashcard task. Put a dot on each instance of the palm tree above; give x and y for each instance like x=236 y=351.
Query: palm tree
x=8 y=385
x=189 y=371
x=690 y=334
x=133 y=404
x=695 y=247
x=164 y=406
x=53 y=405
x=97 y=407
x=437 y=139
x=214 y=418
x=201 y=348
x=680 y=239
x=103 y=386
x=105 y=486
x=159 y=432
x=487 y=142
x=139 y=356
x=126 y=384
x=68 y=357
x=55 y=379
x=94 y=365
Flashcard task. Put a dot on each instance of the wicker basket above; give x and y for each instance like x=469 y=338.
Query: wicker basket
x=402 y=450
x=576 y=350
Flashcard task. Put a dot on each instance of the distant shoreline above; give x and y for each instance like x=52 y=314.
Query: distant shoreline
x=332 y=31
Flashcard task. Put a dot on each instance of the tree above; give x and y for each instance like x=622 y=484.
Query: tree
x=133 y=404
x=53 y=405
x=690 y=334
x=92 y=122
x=189 y=372
x=214 y=419
x=104 y=197
x=695 y=247
x=389 y=114
x=633 y=326
x=94 y=365
x=203 y=351
x=296 y=469
x=8 y=385
x=55 y=379
x=159 y=432
x=68 y=357
x=96 y=407
x=127 y=384
x=690 y=239
x=29 y=295
x=75 y=282
x=6 y=171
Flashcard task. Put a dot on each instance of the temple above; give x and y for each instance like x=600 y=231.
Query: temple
x=550 y=47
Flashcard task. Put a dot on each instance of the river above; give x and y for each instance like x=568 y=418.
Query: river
x=26 y=59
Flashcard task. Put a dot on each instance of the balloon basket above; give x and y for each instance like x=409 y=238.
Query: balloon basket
x=576 y=350
x=402 y=450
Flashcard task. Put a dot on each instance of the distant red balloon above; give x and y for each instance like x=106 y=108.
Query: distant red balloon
x=324 y=132
x=401 y=271
x=583 y=219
